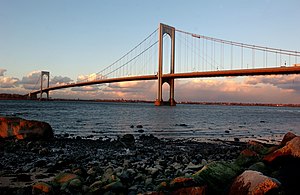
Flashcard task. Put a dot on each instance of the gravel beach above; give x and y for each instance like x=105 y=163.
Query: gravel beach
x=142 y=163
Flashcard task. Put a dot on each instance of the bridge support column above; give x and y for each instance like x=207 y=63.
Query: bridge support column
x=165 y=29
x=48 y=78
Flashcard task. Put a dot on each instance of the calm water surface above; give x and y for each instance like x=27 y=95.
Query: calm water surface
x=183 y=121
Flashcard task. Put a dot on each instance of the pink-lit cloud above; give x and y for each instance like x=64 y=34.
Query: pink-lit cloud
x=265 y=89
x=7 y=82
x=60 y=80
x=289 y=82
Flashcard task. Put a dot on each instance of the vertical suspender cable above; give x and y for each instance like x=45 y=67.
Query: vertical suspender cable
x=242 y=56
x=231 y=57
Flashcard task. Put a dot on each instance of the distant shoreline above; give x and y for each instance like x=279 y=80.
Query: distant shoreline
x=22 y=97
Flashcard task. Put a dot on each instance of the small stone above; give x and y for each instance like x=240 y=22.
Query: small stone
x=128 y=140
x=227 y=131
x=92 y=171
x=203 y=162
x=66 y=135
x=139 y=126
x=141 y=131
x=75 y=183
x=42 y=188
x=152 y=171
x=148 y=181
x=43 y=151
x=131 y=126
x=193 y=166
x=236 y=139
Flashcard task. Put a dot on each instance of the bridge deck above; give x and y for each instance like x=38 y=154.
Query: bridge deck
x=220 y=73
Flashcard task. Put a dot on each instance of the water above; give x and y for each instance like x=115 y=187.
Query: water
x=204 y=122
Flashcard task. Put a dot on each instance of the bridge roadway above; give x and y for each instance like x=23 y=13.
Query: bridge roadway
x=219 y=73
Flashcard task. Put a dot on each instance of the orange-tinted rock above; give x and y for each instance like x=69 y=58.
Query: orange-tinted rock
x=24 y=129
x=191 y=191
x=64 y=178
x=257 y=147
x=42 y=188
x=287 y=137
x=248 y=153
x=180 y=182
x=292 y=148
x=246 y=158
x=254 y=183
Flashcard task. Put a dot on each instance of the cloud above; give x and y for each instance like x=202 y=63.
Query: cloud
x=60 y=80
x=8 y=82
x=232 y=90
x=32 y=80
x=289 y=82
x=132 y=89
x=85 y=88
x=90 y=77
x=2 y=70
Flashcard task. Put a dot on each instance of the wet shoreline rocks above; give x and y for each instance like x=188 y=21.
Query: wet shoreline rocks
x=129 y=164
x=146 y=164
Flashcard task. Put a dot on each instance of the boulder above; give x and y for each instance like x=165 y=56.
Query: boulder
x=291 y=149
x=287 y=137
x=217 y=176
x=15 y=127
x=254 y=183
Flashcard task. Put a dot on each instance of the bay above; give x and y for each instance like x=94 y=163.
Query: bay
x=200 y=122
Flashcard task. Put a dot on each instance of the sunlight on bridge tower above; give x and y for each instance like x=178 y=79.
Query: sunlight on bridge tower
x=44 y=73
x=164 y=29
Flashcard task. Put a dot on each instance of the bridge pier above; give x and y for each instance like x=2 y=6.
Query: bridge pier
x=165 y=29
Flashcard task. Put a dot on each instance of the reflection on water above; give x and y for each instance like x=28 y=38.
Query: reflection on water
x=95 y=119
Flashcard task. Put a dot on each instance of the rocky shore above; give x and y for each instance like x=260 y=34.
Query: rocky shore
x=140 y=164
x=144 y=165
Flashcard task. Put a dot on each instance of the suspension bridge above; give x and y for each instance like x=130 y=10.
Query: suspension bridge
x=164 y=57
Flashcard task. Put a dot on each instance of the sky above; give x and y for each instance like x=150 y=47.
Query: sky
x=73 y=39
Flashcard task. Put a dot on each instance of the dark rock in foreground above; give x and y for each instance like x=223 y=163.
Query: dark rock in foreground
x=15 y=127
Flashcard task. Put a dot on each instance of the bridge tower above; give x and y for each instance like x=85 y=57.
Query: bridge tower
x=165 y=29
x=48 y=77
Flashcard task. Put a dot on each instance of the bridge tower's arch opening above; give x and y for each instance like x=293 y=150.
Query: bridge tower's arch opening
x=170 y=31
x=47 y=74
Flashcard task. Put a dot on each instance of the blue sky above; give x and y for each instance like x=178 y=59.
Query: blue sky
x=71 y=38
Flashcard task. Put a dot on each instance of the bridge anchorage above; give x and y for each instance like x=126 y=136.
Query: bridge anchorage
x=165 y=29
